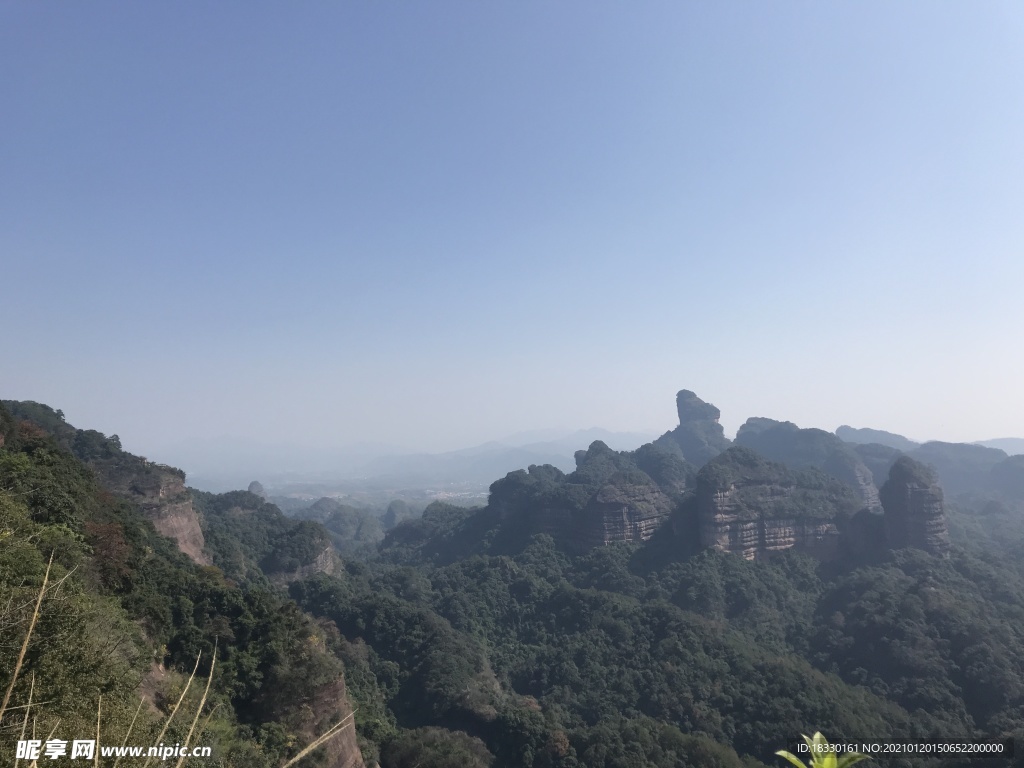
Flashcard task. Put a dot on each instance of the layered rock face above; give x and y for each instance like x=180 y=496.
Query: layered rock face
x=326 y=562
x=854 y=472
x=610 y=497
x=914 y=514
x=799 y=448
x=329 y=704
x=159 y=492
x=755 y=508
x=878 y=459
x=630 y=507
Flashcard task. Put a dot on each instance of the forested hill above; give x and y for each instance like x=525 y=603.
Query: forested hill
x=523 y=634
x=126 y=615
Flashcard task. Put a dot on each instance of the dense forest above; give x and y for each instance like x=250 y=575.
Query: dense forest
x=696 y=602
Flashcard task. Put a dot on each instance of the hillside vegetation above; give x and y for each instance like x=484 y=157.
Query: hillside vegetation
x=501 y=636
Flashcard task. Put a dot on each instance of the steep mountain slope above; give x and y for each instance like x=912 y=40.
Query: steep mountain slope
x=126 y=614
x=155 y=489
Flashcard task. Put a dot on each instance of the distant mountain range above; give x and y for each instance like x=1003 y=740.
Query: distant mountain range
x=1012 y=446
x=483 y=463
x=219 y=465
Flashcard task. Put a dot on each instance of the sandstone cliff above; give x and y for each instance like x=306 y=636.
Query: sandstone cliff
x=914 y=514
x=799 y=448
x=608 y=498
x=159 y=492
x=329 y=705
x=754 y=507
x=630 y=507
x=326 y=562
x=878 y=459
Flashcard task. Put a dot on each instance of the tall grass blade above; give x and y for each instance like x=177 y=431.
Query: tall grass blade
x=28 y=637
x=199 y=709
x=330 y=733
x=129 y=733
x=175 y=710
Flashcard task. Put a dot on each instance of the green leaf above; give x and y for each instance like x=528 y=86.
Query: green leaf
x=791 y=758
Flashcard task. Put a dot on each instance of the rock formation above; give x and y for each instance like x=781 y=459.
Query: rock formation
x=799 y=448
x=754 y=507
x=159 y=492
x=848 y=467
x=779 y=488
x=630 y=507
x=326 y=562
x=914 y=515
x=608 y=498
x=878 y=458
x=699 y=437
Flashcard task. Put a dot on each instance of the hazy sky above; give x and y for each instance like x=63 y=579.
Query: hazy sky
x=432 y=224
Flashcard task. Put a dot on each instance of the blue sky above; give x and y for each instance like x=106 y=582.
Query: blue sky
x=432 y=224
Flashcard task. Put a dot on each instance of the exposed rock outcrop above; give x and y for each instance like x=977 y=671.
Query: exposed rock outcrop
x=691 y=408
x=914 y=514
x=849 y=468
x=754 y=507
x=800 y=448
x=328 y=705
x=630 y=507
x=699 y=437
x=326 y=562
x=610 y=497
x=159 y=492
x=878 y=459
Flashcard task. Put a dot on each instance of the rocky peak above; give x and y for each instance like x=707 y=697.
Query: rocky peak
x=692 y=408
x=914 y=513
x=699 y=436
